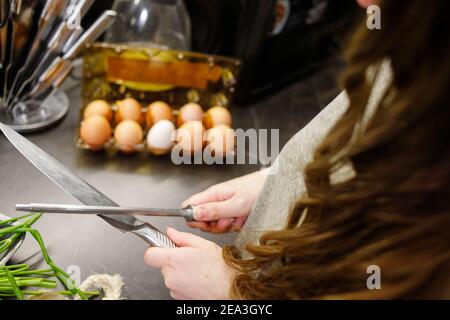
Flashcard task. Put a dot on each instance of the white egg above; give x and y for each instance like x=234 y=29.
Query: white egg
x=160 y=138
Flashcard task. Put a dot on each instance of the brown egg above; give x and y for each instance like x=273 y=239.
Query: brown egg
x=216 y=116
x=190 y=112
x=190 y=137
x=129 y=109
x=128 y=134
x=95 y=131
x=220 y=140
x=98 y=108
x=158 y=111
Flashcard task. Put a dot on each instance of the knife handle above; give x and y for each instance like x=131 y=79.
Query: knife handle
x=153 y=236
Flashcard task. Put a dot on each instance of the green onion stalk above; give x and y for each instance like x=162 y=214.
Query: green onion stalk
x=16 y=278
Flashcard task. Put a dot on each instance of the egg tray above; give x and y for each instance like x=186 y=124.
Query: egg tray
x=113 y=72
x=111 y=144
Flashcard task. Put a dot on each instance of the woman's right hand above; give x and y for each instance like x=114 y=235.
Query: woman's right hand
x=224 y=207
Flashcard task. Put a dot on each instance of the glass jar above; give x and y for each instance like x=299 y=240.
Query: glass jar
x=151 y=23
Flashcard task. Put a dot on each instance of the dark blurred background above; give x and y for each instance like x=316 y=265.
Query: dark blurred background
x=279 y=41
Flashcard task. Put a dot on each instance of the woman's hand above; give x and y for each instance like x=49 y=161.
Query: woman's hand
x=194 y=271
x=224 y=207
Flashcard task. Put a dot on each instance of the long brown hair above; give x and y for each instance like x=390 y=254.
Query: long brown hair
x=395 y=212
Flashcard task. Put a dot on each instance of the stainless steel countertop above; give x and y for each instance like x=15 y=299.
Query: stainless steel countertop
x=135 y=180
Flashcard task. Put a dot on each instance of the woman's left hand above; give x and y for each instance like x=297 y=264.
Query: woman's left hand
x=194 y=271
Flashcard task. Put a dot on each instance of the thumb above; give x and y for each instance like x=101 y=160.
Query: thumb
x=214 y=211
x=183 y=239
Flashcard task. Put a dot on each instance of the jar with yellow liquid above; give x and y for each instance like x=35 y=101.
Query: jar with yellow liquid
x=163 y=24
x=160 y=23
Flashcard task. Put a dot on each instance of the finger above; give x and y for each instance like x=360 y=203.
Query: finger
x=224 y=223
x=214 y=211
x=206 y=226
x=211 y=227
x=209 y=195
x=156 y=257
x=183 y=239
x=221 y=226
x=199 y=225
x=199 y=198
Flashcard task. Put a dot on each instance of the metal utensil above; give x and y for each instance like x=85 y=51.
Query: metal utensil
x=3 y=56
x=54 y=50
x=48 y=20
x=187 y=213
x=53 y=17
x=95 y=31
x=45 y=87
x=64 y=37
x=5 y=6
x=14 y=49
x=65 y=62
x=55 y=45
x=76 y=33
x=82 y=191
x=78 y=11
x=25 y=15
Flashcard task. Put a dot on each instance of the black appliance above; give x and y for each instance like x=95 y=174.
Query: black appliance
x=278 y=40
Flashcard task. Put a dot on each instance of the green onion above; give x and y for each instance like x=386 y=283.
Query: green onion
x=13 y=279
x=14 y=285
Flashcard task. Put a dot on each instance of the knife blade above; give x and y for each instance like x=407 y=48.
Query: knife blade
x=82 y=191
x=187 y=213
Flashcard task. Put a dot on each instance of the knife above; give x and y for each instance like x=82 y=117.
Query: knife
x=51 y=14
x=5 y=6
x=84 y=192
x=47 y=86
x=76 y=33
x=14 y=50
x=54 y=49
x=3 y=54
x=77 y=11
x=55 y=45
x=187 y=213
x=65 y=62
